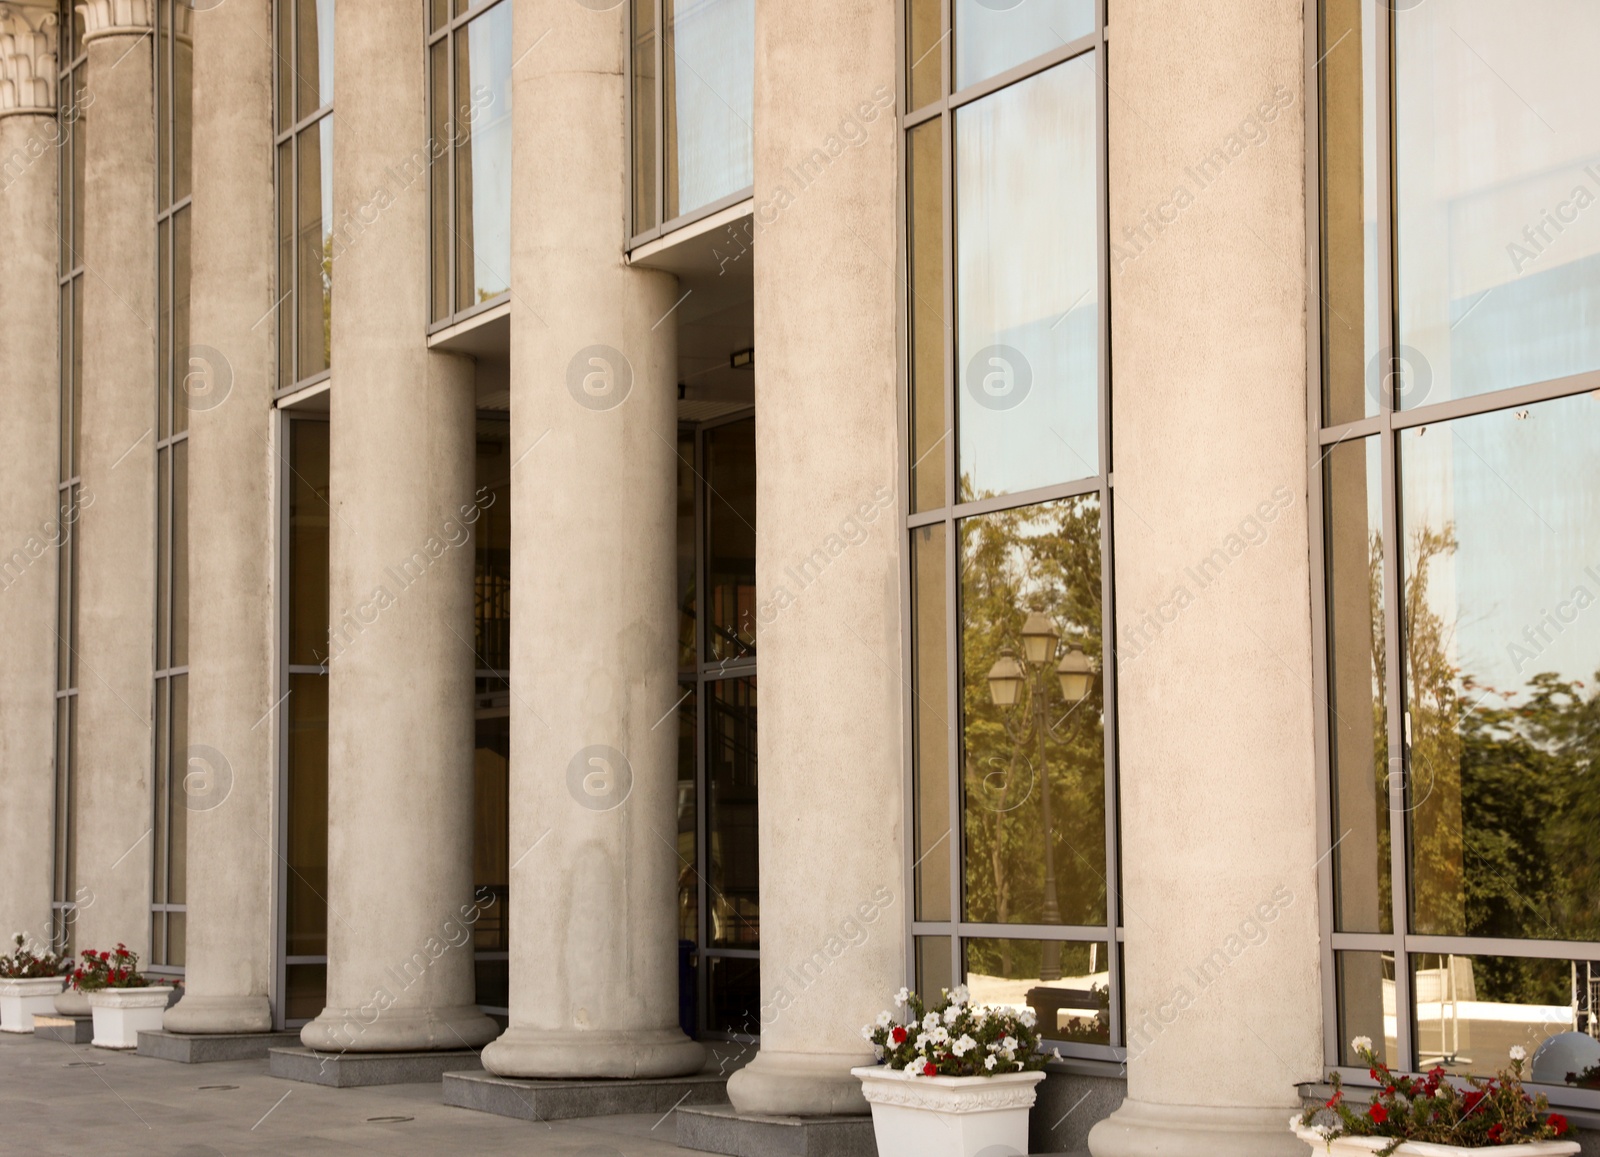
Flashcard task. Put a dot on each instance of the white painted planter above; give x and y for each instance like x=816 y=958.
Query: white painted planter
x=21 y=997
x=948 y=1116
x=121 y=1014
x=1365 y=1146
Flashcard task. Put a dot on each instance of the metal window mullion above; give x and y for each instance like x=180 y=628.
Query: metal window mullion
x=954 y=775
x=702 y=793
x=453 y=133
x=1108 y=618
x=1316 y=543
x=1399 y=833
x=661 y=113
x=1042 y=63
x=280 y=821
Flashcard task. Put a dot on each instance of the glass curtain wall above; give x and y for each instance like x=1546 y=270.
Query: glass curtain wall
x=1459 y=483
x=177 y=785
x=469 y=173
x=1014 y=857
x=72 y=105
x=491 y=762
x=306 y=244
x=691 y=95
x=719 y=911
x=303 y=734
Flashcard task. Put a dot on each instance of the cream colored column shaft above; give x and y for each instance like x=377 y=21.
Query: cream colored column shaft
x=113 y=831
x=831 y=751
x=30 y=527
x=400 y=581
x=1218 y=783
x=594 y=979
x=228 y=393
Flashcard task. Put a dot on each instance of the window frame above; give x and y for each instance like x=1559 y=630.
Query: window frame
x=951 y=513
x=1401 y=945
x=447 y=33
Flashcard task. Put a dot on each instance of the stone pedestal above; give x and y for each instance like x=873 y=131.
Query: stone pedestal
x=594 y=430
x=400 y=911
x=29 y=519
x=1223 y=999
x=113 y=824
x=228 y=398
x=831 y=754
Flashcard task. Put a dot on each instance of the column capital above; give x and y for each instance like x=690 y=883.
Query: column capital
x=115 y=18
x=27 y=60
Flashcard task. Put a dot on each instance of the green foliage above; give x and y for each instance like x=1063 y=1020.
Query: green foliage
x=25 y=964
x=955 y=1038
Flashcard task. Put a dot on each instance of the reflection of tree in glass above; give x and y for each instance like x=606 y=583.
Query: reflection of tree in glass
x=1505 y=803
x=1044 y=558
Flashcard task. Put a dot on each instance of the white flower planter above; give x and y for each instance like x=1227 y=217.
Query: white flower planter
x=21 y=997
x=1365 y=1146
x=121 y=1014
x=948 y=1116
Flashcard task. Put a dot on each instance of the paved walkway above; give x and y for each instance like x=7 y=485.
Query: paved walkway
x=75 y=1099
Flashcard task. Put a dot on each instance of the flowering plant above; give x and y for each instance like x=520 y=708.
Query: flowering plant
x=955 y=1038
x=25 y=964
x=118 y=969
x=1487 y=1112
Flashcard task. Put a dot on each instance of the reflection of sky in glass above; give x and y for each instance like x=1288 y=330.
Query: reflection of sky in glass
x=1026 y=261
x=325 y=52
x=994 y=35
x=1524 y=497
x=489 y=99
x=713 y=45
x=1499 y=226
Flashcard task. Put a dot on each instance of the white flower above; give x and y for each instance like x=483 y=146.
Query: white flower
x=951 y=1013
x=988 y=1062
x=964 y=1045
x=902 y=996
x=1518 y=1053
x=884 y=1020
x=1442 y=1093
x=931 y=1021
x=1362 y=1044
x=1028 y=1017
x=866 y=1031
x=1056 y=1053
x=960 y=994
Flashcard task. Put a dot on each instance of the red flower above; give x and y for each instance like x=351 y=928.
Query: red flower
x=1338 y=1095
x=1472 y=1100
x=1373 y=1073
x=1557 y=1122
x=898 y=1035
x=1389 y=1092
x=928 y=1069
x=1496 y=1131
x=1378 y=1114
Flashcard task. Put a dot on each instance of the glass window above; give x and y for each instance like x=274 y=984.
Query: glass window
x=1497 y=237
x=731 y=539
x=1501 y=534
x=304 y=109
x=994 y=35
x=926 y=312
x=1027 y=284
x=1067 y=984
x=931 y=710
x=1033 y=731
x=1366 y=990
x=1358 y=722
x=924 y=60
x=700 y=110
x=483 y=209
x=731 y=783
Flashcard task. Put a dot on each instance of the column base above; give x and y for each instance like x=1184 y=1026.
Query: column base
x=395 y=1030
x=1146 y=1129
x=799 y=1085
x=570 y=1054
x=219 y=1014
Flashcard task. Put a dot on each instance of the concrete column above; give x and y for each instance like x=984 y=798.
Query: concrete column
x=400 y=972
x=831 y=751
x=116 y=538
x=1215 y=711
x=29 y=530
x=594 y=984
x=228 y=393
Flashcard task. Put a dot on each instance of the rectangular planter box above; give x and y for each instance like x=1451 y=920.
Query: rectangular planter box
x=948 y=1116
x=1366 y=1146
x=22 y=997
x=120 y=1014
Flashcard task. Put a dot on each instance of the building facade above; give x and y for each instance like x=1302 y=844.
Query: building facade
x=1151 y=452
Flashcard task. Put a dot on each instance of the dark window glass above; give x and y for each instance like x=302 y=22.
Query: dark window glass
x=644 y=115
x=1366 y=1004
x=731 y=782
x=931 y=685
x=734 y=988
x=688 y=480
x=688 y=817
x=730 y=472
x=308 y=543
x=933 y=966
